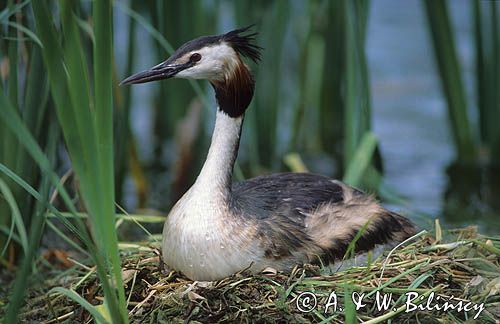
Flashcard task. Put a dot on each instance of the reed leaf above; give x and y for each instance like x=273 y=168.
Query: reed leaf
x=35 y=194
x=164 y=43
x=357 y=116
x=37 y=225
x=312 y=91
x=26 y=31
x=21 y=132
x=332 y=112
x=12 y=9
x=8 y=143
x=87 y=129
x=451 y=78
x=122 y=115
x=103 y=92
x=356 y=100
x=34 y=112
x=264 y=113
x=350 y=309
x=80 y=300
x=13 y=122
x=361 y=160
x=16 y=217
x=487 y=47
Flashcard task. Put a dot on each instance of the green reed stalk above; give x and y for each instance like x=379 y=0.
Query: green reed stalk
x=451 y=78
x=357 y=97
x=122 y=118
x=32 y=111
x=265 y=112
x=360 y=147
x=87 y=129
x=487 y=47
x=8 y=144
x=103 y=92
x=37 y=224
x=332 y=111
x=361 y=160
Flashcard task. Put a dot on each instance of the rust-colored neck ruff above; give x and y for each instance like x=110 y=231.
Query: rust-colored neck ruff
x=235 y=92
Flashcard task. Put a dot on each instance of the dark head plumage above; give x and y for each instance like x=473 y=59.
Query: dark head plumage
x=242 y=44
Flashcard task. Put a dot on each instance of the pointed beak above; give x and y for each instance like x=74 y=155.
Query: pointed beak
x=161 y=71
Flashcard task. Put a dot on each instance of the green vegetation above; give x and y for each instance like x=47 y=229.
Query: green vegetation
x=67 y=150
x=487 y=55
x=462 y=264
x=473 y=184
x=86 y=124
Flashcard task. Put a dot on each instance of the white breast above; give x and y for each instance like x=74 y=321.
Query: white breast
x=200 y=243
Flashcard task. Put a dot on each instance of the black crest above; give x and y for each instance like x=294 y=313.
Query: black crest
x=243 y=44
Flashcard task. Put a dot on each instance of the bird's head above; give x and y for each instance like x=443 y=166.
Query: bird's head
x=216 y=59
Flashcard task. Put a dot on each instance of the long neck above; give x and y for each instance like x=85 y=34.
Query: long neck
x=233 y=95
x=215 y=177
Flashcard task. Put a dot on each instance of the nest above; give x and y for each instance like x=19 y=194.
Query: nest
x=462 y=270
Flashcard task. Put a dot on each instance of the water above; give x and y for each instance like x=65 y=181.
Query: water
x=409 y=110
x=409 y=113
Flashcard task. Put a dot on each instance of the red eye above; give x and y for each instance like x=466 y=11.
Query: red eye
x=195 y=57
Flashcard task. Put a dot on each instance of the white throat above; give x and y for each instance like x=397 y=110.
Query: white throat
x=214 y=180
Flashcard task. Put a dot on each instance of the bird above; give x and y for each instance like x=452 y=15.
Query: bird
x=219 y=228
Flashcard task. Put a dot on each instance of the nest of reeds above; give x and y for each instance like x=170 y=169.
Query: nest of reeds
x=461 y=271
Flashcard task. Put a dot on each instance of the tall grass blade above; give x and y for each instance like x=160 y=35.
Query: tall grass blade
x=11 y=120
x=451 y=78
x=361 y=160
x=487 y=47
x=167 y=19
x=357 y=109
x=264 y=114
x=26 y=31
x=332 y=112
x=8 y=143
x=14 y=305
x=351 y=108
x=16 y=217
x=87 y=131
x=350 y=309
x=122 y=115
x=35 y=194
x=482 y=83
x=71 y=294
x=33 y=114
x=13 y=82
x=312 y=91
x=103 y=92
x=11 y=10
x=495 y=56
x=356 y=99
x=163 y=43
x=36 y=230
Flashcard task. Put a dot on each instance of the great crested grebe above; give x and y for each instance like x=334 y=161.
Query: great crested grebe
x=219 y=228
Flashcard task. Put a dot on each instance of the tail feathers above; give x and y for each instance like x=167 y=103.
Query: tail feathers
x=404 y=228
x=384 y=228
